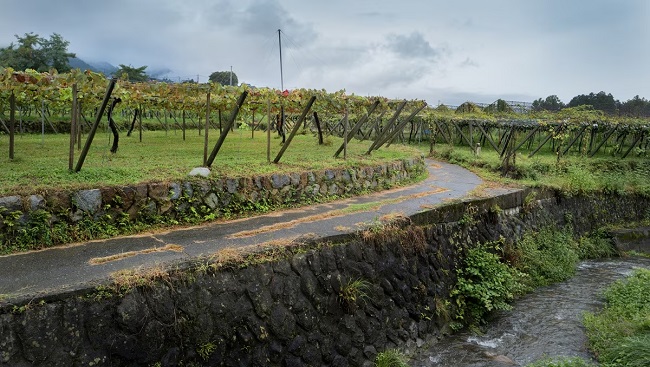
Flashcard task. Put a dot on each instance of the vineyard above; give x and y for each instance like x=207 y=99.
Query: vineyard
x=79 y=104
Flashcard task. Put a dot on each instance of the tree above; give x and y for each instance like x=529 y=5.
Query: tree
x=551 y=103
x=132 y=74
x=34 y=52
x=601 y=101
x=636 y=107
x=223 y=78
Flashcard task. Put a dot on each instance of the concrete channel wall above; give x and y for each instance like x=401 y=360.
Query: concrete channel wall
x=290 y=307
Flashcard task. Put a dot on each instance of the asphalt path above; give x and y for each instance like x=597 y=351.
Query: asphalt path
x=81 y=266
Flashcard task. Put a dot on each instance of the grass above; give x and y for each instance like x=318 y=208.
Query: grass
x=619 y=335
x=561 y=362
x=162 y=156
x=391 y=358
x=573 y=174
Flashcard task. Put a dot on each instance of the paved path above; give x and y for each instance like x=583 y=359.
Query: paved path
x=64 y=269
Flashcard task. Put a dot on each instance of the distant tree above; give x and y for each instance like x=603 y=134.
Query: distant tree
x=223 y=78
x=636 y=107
x=601 y=101
x=468 y=107
x=132 y=74
x=499 y=106
x=551 y=103
x=34 y=52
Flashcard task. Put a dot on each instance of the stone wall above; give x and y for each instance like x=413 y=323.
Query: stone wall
x=287 y=306
x=194 y=199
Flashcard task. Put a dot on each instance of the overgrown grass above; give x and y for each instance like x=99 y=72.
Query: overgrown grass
x=573 y=174
x=390 y=358
x=165 y=156
x=493 y=274
x=561 y=362
x=619 y=335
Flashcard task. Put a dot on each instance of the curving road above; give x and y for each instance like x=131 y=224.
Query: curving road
x=76 y=267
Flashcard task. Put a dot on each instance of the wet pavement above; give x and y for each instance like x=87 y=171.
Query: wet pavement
x=80 y=266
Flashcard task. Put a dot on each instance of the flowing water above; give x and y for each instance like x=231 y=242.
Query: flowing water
x=545 y=323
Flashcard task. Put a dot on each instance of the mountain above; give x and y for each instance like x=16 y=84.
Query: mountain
x=103 y=67
x=77 y=63
x=98 y=67
x=109 y=69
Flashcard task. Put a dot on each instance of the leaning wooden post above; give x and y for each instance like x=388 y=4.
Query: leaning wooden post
x=207 y=129
x=379 y=136
x=607 y=136
x=354 y=130
x=12 y=124
x=73 y=126
x=296 y=127
x=226 y=130
x=391 y=136
x=93 y=130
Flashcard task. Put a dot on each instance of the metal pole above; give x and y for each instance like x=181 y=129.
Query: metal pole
x=281 y=75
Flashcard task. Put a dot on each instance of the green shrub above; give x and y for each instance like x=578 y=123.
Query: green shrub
x=484 y=284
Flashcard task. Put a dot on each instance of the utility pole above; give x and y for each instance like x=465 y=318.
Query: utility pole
x=281 y=76
x=197 y=78
x=231 y=75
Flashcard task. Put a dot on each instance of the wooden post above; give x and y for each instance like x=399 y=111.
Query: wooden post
x=320 y=131
x=607 y=136
x=183 y=124
x=93 y=130
x=42 y=122
x=224 y=133
x=345 y=135
x=220 y=130
x=79 y=125
x=253 y=126
x=207 y=129
x=296 y=127
x=73 y=127
x=636 y=141
x=12 y=124
x=355 y=129
x=400 y=127
x=380 y=136
x=268 y=132
x=140 y=123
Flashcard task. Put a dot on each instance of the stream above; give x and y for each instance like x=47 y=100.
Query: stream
x=544 y=323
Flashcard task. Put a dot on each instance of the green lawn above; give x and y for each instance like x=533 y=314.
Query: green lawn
x=573 y=174
x=163 y=156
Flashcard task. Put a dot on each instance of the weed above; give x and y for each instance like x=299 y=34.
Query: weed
x=205 y=350
x=352 y=293
x=547 y=256
x=561 y=362
x=620 y=333
x=390 y=358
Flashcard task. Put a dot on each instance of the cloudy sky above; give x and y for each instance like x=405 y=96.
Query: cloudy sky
x=441 y=51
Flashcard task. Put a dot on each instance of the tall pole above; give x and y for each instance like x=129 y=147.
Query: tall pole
x=281 y=75
x=231 y=76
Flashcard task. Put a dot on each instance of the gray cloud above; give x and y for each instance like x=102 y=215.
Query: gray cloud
x=482 y=49
x=411 y=45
